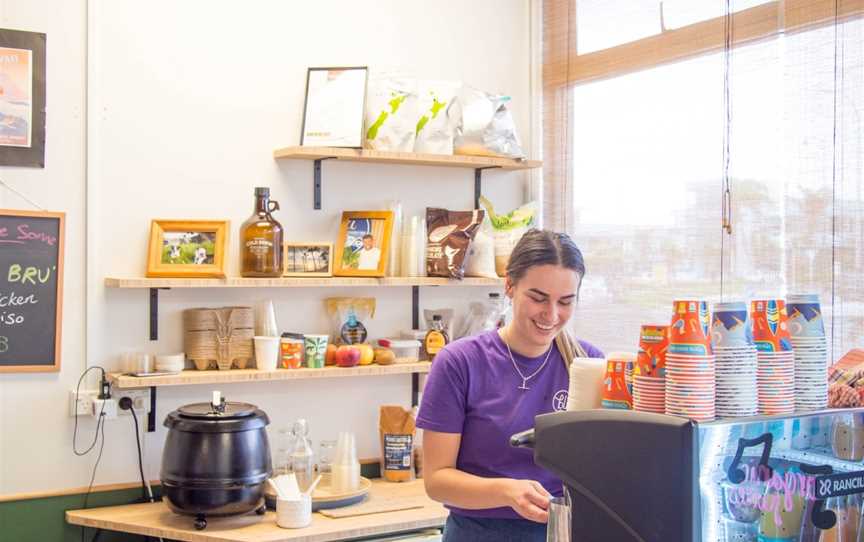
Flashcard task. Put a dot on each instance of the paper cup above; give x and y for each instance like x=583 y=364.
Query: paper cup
x=805 y=316
x=689 y=332
x=316 y=350
x=730 y=326
x=266 y=353
x=770 y=325
x=294 y=514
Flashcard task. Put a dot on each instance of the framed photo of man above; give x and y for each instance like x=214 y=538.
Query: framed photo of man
x=364 y=244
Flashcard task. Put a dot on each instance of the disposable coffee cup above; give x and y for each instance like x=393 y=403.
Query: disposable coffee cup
x=266 y=353
x=294 y=513
x=316 y=350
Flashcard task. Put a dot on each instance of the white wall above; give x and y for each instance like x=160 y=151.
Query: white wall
x=188 y=101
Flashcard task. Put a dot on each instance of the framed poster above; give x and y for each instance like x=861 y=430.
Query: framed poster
x=22 y=98
x=364 y=244
x=333 y=108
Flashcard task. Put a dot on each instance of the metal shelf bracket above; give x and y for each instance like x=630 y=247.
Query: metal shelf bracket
x=316 y=182
x=478 y=183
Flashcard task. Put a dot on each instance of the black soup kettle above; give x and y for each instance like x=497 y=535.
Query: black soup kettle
x=216 y=460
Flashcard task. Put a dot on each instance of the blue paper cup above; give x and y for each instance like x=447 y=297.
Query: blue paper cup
x=730 y=325
x=805 y=316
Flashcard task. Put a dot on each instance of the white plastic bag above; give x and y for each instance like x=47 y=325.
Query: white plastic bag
x=435 y=126
x=391 y=113
x=480 y=261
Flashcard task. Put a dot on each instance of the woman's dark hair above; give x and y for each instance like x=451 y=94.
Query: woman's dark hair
x=544 y=247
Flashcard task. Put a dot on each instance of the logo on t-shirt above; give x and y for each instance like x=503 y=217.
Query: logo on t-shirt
x=559 y=401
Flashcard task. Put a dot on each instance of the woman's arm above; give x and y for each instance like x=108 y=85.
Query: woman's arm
x=446 y=484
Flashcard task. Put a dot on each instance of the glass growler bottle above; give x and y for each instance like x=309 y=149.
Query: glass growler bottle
x=261 y=239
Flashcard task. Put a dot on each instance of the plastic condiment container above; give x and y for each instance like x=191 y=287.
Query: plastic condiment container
x=405 y=350
x=418 y=335
x=291 y=351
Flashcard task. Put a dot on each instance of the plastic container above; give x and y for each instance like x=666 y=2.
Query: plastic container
x=416 y=335
x=291 y=350
x=405 y=350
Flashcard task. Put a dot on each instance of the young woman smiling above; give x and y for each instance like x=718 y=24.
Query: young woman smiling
x=483 y=389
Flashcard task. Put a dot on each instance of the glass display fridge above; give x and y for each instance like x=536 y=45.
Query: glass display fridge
x=633 y=476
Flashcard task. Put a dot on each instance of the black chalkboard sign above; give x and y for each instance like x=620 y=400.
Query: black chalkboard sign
x=31 y=290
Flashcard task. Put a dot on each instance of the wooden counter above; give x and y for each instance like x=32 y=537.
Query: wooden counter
x=154 y=519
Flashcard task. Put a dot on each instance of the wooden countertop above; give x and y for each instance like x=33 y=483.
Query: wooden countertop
x=155 y=519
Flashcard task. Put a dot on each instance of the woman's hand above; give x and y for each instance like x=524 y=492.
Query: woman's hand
x=528 y=498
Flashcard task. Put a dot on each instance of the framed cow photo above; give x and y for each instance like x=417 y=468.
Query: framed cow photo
x=187 y=248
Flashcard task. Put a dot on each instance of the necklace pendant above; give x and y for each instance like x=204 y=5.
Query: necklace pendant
x=524 y=385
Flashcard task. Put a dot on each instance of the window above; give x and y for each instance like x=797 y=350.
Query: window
x=644 y=156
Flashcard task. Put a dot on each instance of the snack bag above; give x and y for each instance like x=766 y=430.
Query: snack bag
x=508 y=229
x=449 y=236
x=391 y=113
x=348 y=315
x=396 y=429
x=435 y=127
x=485 y=126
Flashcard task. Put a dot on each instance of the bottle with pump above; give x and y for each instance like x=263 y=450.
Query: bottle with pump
x=261 y=239
x=436 y=337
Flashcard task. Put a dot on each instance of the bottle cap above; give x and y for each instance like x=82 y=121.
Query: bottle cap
x=494 y=295
x=262 y=191
x=436 y=317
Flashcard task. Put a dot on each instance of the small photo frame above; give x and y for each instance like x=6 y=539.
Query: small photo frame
x=364 y=244
x=187 y=248
x=333 y=108
x=308 y=260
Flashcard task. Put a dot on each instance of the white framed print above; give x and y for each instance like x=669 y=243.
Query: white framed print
x=333 y=108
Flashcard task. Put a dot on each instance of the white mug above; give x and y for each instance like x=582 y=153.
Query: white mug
x=294 y=513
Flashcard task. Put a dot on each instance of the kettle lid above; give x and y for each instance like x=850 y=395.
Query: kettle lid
x=229 y=411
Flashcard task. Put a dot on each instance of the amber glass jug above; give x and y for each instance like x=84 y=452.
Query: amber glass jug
x=261 y=239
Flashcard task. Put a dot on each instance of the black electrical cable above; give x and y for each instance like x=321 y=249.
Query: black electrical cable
x=140 y=458
x=75 y=431
x=99 y=424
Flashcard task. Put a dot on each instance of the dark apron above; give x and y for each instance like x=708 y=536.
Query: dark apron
x=466 y=529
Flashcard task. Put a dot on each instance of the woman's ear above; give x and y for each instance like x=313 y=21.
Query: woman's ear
x=508 y=287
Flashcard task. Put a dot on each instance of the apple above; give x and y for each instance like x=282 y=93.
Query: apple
x=367 y=354
x=330 y=356
x=347 y=356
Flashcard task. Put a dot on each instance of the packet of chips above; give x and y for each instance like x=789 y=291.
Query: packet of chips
x=484 y=125
x=449 y=234
x=435 y=126
x=391 y=113
x=349 y=315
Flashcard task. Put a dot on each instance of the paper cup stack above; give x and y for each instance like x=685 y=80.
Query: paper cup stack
x=690 y=363
x=737 y=362
x=649 y=371
x=586 y=383
x=776 y=371
x=811 y=351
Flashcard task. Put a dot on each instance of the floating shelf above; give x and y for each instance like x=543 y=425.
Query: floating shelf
x=295 y=282
x=477 y=163
x=193 y=377
x=405 y=158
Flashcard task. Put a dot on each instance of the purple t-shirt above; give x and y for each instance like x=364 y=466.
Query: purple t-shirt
x=472 y=389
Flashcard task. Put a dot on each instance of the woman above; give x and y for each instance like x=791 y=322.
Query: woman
x=483 y=389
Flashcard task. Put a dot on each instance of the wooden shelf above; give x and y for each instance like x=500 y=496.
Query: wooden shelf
x=406 y=158
x=295 y=282
x=193 y=377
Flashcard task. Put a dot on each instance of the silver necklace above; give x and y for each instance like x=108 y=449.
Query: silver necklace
x=524 y=378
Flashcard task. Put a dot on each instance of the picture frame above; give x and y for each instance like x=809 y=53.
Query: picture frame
x=307 y=259
x=22 y=103
x=187 y=248
x=333 y=107
x=364 y=244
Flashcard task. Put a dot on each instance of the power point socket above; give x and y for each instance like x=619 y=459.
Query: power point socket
x=84 y=404
x=105 y=407
x=140 y=400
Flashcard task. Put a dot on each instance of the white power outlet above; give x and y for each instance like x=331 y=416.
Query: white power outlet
x=140 y=400
x=84 y=405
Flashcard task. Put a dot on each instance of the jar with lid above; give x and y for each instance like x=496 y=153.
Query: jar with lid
x=261 y=239
x=302 y=456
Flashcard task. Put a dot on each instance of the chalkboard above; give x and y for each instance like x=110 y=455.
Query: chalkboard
x=31 y=290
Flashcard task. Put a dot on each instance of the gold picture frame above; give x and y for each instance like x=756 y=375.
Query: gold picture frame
x=364 y=241
x=307 y=259
x=187 y=248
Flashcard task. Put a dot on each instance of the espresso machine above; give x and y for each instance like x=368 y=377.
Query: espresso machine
x=635 y=476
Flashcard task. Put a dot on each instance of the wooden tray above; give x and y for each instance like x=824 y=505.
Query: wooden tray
x=323 y=497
